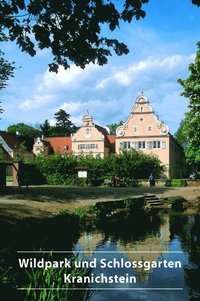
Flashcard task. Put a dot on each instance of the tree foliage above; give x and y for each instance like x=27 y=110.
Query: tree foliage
x=191 y=87
x=113 y=126
x=64 y=126
x=3 y=156
x=58 y=169
x=25 y=133
x=24 y=130
x=71 y=29
x=196 y=2
x=137 y=165
x=180 y=134
x=6 y=71
x=45 y=128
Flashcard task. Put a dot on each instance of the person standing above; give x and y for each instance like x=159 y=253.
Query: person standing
x=152 y=180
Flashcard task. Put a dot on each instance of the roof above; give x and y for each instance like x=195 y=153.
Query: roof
x=10 y=139
x=112 y=140
x=14 y=144
x=101 y=129
x=59 y=143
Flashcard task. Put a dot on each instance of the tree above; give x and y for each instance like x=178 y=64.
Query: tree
x=20 y=153
x=71 y=29
x=24 y=130
x=26 y=134
x=6 y=71
x=196 y=2
x=113 y=126
x=45 y=128
x=180 y=134
x=191 y=87
x=3 y=156
x=64 y=126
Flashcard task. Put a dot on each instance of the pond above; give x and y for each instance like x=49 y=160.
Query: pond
x=164 y=238
x=132 y=255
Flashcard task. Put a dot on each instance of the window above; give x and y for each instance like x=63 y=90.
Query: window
x=149 y=144
x=135 y=129
x=135 y=145
x=141 y=144
x=87 y=146
x=163 y=144
x=66 y=148
x=156 y=144
x=141 y=109
x=125 y=145
x=128 y=145
x=141 y=119
x=149 y=128
x=81 y=146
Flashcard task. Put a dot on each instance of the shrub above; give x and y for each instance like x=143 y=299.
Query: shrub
x=177 y=202
x=178 y=183
x=57 y=169
x=129 y=165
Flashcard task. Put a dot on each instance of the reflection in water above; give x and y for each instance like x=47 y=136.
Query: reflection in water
x=147 y=236
x=130 y=236
x=187 y=229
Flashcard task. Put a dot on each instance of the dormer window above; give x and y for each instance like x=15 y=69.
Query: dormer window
x=66 y=148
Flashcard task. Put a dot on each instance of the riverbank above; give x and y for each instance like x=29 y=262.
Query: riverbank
x=46 y=201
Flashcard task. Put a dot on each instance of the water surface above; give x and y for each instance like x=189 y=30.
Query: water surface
x=146 y=236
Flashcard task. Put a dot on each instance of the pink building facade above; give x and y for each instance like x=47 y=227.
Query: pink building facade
x=92 y=139
x=144 y=132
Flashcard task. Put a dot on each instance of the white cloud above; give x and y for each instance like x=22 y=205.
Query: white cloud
x=158 y=57
x=35 y=102
x=149 y=67
x=108 y=92
x=71 y=77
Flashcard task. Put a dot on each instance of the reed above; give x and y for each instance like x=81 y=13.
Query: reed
x=52 y=287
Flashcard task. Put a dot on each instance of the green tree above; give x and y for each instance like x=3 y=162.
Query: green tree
x=3 y=157
x=191 y=87
x=137 y=165
x=6 y=71
x=25 y=133
x=180 y=134
x=64 y=126
x=20 y=153
x=45 y=128
x=112 y=127
x=24 y=130
x=71 y=29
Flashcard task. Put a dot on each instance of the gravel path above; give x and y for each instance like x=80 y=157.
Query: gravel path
x=45 y=201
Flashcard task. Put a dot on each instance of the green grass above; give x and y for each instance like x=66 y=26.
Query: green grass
x=9 y=178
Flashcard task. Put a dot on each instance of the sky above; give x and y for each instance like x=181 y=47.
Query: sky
x=161 y=45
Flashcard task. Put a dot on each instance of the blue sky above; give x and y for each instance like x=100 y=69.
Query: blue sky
x=161 y=45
